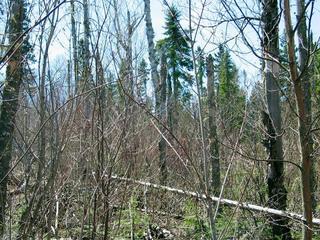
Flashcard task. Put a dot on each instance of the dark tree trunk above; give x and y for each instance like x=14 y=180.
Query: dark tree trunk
x=212 y=124
x=272 y=119
x=162 y=115
x=74 y=47
x=10 y=103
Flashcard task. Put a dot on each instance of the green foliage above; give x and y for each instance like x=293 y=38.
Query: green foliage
x=201 y=68
x=231 y=98
x=177 y=52
x=284 y=82
x=143 y=79
x=196 y=226
x=227 y=75
x=132 y=216
x=316 y=76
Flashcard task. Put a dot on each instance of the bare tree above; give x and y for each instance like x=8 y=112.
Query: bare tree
x=301 y=82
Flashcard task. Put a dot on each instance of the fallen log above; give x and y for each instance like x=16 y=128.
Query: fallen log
x=243 y=205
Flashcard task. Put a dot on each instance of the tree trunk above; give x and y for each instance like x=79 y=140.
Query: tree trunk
x=10 y=103
x=301 y=91
x=272 y=119
x=74 y=47
x=160 y=87
x=213 y=136
x=129 y=60
x=151 y=49
x=305 y=78
x=35 y=203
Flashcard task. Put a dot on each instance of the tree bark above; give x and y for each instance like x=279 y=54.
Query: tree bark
x=213 y=136
x=10 y=102
x=305 y=78
x=160 y=86
x=301 y=92
x=74 y=47
x=162 y=115
x=277 y=192
x=151 y=49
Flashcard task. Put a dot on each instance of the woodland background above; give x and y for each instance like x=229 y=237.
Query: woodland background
x=107 y=132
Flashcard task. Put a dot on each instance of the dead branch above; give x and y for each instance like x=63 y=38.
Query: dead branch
x=233 y=203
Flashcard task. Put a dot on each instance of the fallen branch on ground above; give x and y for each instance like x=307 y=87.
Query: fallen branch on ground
x=223 y=201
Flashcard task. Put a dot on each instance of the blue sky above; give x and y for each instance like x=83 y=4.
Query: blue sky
x=224 y=32
x=242 y=56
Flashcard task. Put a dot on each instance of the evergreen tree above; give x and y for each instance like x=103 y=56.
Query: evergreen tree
x=201 y=67
x=231 y=100
x=316 y=76
x=284 y=83
x=227 y=74
x=178 y=63
x=178 y=49
x=142 y=80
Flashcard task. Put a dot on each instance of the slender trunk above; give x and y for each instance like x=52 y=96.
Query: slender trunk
x=162 y=89
x=86 y=80
x=35 y=203
x=85 y=83
x=74 y=47
x=170 y=103
x=303 y=118
x=129 y=72
x=212 y=122
x=69 y=78
x=174 y=111
x=101 y=113
x=55 y=159
x=205 y=187
x=10 y=103
x=42 y=113
x=305 y=78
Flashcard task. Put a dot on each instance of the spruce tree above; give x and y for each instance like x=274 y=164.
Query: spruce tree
x=201 y=66
x=316 y=76
x=230 y=97
x=179 y=62
x=142 y=80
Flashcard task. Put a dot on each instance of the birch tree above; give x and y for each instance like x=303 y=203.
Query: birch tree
x=160 y=87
